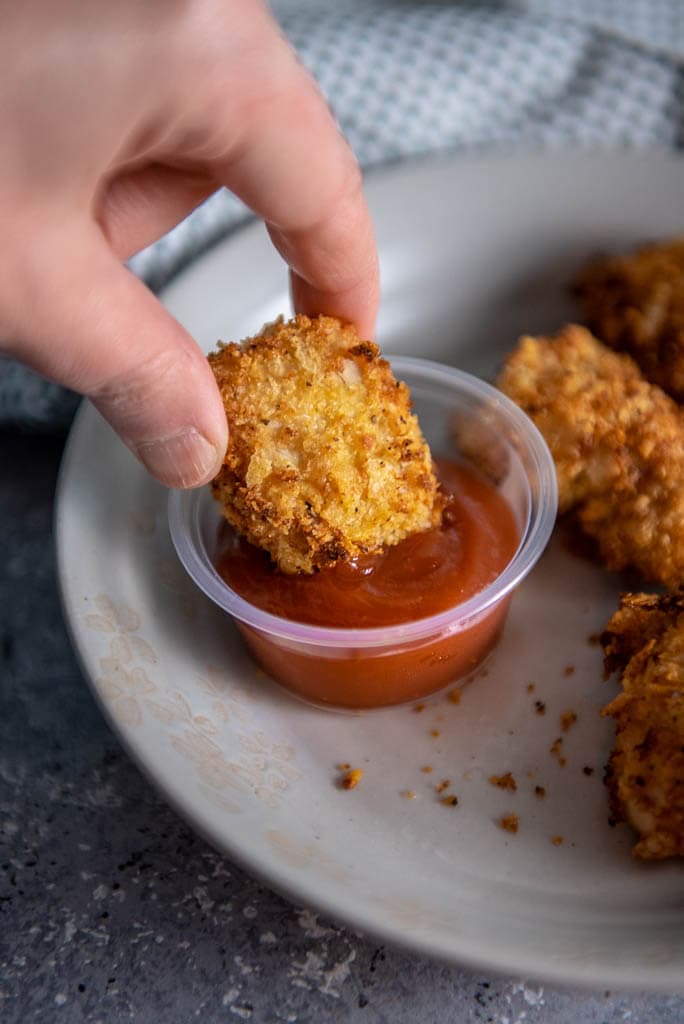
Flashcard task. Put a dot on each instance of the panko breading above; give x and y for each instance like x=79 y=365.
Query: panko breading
x=325 y=460
x=618 y=445
x=635 y=304
x=644 y=640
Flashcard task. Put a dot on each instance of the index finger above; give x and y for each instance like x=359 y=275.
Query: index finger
x=292 y=166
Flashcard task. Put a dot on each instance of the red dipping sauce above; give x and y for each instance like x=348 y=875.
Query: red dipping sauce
x=425 y=574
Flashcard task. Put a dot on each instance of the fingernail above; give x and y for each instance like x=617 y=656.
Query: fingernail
x=185 y=459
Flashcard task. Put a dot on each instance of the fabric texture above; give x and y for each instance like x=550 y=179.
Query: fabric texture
x=406 y=79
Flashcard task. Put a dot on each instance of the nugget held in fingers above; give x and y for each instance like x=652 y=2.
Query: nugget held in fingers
x=618 y=445
x=325 y=460
x=644 y=640
x=635 y=304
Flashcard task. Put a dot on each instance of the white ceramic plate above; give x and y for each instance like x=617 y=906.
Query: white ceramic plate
x=473 y=253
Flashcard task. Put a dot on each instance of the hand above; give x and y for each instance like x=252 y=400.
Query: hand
x=116 y=120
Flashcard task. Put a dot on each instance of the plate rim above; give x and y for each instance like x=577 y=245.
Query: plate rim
x=276 y=875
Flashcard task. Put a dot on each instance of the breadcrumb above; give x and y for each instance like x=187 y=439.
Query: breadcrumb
x=644 y=641
x=509 y=823
x=567 y=720
x=635 y=304
x=556 y=750
x=557 y=840
x=539 y=792
x=617 y=443
x=352 y=778
x=449 y=801
x=506 y=781
x=325 y=460
x=454 y=696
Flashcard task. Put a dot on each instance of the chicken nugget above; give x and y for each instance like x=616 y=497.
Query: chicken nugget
x=325 y=460
x=644 y=640
x=635 y=304
x=618 y=445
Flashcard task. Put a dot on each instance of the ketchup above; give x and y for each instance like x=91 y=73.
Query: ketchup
x=424 y=574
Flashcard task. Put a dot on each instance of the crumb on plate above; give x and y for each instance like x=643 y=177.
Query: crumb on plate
x=567 y=720
x=506 y=781
x=351 y=778
x=509 y=823
x=556 y=750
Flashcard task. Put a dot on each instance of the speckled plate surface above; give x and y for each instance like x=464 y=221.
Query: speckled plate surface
x=473 y=253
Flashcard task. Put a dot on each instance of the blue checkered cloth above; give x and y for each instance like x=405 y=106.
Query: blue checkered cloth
x=407 y=78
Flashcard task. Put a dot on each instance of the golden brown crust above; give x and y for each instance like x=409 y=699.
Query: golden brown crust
x=325 y=460
x=635 y=304
x=644 y=640
x=618 y=445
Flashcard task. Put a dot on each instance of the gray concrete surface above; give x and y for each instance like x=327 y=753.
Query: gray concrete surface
x=112 y=910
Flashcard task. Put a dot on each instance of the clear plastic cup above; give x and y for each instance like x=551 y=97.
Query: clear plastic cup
x=462 y=418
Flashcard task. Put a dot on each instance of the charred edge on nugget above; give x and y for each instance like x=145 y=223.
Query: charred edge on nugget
x=365 y=349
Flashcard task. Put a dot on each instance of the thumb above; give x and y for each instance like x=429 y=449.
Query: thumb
x=94 y=327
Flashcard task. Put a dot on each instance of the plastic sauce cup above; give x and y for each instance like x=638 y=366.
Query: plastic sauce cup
x=461 y=418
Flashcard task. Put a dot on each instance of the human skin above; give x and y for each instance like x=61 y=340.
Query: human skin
x=116 y=120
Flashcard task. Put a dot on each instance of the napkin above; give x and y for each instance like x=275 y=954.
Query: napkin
x=406 y=79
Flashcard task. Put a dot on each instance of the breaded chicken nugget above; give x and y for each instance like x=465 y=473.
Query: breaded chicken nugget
x=618 y=445
x=325 y=460
x=644 y=640
x=635 y=304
